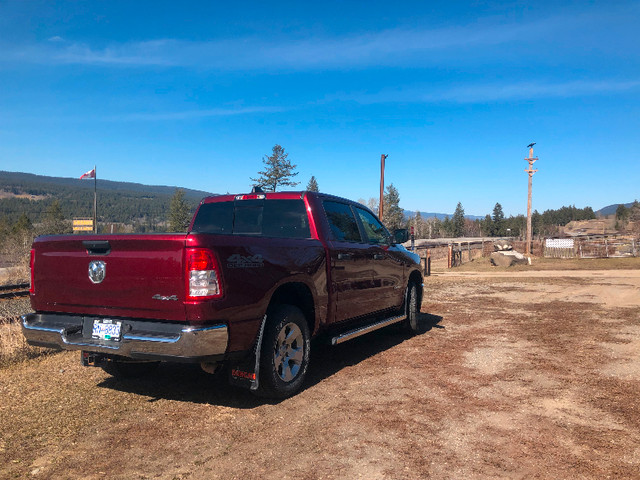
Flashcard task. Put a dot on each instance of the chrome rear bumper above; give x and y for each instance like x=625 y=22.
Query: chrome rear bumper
x=140 y=339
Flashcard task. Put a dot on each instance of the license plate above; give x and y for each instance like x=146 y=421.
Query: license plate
x=105 y=329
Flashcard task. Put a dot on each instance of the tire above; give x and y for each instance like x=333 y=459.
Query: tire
x=412 y=324
x=284 y=357
x=121 y=369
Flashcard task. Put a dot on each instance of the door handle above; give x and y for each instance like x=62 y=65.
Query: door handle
x=345 y=256
x=378 y=256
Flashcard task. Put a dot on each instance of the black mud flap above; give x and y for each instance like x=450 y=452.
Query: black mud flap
x=245 y=372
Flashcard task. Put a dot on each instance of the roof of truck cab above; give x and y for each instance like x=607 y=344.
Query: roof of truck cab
x=271 y=196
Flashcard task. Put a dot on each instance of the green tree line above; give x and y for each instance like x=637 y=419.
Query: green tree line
x=496 y=224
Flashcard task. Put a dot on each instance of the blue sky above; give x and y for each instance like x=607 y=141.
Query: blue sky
x=194 y=94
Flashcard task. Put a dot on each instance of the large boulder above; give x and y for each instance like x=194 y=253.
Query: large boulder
x=502 y=245
x=508 y=258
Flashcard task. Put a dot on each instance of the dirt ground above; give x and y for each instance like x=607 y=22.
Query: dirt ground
x=517 y=375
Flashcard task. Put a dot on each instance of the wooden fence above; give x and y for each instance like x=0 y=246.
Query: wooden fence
x=607 y=247
x=451 y=254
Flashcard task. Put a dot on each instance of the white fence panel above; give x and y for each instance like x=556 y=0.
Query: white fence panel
x=559 y=248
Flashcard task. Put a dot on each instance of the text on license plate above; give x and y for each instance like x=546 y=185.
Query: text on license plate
x=104 y=329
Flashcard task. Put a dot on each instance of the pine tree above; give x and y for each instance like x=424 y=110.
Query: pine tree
x=312 y=186
x=420 y=226
x=458 y=221
x=498 y=221
x=622 y=216
x=393 y=216
x=23 y=224
x=54 y=223
x=634 y=215
x=279 y=171
x=487 y=226
x=179 y=216
x=446 y=227
x=634 y=211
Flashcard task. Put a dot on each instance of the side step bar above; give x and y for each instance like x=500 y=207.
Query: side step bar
x=351 y=334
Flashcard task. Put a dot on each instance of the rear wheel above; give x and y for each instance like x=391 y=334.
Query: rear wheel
x=284 y=358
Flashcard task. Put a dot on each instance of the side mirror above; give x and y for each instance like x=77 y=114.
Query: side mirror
x=400 y=235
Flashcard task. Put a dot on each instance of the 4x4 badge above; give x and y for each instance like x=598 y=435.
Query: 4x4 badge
x=240 y=261
x=97 y=271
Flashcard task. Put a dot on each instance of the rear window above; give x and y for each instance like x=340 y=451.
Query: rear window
x=265 y=218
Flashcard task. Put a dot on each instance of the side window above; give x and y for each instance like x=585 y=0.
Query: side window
x=376 y=233
x=342 y=222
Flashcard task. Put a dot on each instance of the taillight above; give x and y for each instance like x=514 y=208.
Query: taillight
x=203 y=275
x=32 y=260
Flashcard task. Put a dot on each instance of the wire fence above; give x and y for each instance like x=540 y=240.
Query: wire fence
x=450 y=253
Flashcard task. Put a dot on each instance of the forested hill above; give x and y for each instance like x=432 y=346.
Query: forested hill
x=118 y=202
x=611 y=209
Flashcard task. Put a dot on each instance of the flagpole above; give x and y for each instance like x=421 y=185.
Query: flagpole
x=95 y=199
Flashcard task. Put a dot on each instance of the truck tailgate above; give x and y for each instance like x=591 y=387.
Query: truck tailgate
x=143 y=275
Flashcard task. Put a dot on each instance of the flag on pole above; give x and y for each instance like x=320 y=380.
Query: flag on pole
x=89 y=174
x=92 y=174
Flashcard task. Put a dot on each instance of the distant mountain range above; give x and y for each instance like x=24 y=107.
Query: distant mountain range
x=19 y=190
x=610 y=209
x=22 y=179
x=118 y=201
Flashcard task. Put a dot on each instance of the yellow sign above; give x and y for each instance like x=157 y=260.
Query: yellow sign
x=83 y=225
x=83 y=222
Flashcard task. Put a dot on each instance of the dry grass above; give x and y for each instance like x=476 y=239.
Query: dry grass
x=13 y=347
x=484 y=264
x=500 y=385
x=15 y=275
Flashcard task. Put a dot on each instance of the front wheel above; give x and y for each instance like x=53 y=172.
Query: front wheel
x=413 y=309
x=284 y=359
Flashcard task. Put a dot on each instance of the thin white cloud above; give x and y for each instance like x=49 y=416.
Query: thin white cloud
x=189 y=114
x=389 y=47
x=482 y=93
x=529 y=90
x=181 y=115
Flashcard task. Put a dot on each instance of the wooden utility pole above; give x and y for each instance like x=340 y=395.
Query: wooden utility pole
x=530 y=171
x=383 y=157
x=95 y=199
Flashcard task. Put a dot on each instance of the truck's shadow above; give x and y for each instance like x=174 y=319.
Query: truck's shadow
x=188 y=383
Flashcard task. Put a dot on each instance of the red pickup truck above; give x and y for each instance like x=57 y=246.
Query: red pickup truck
x=246 y=288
